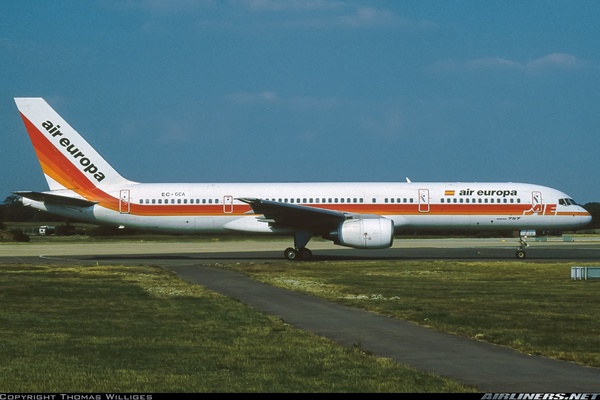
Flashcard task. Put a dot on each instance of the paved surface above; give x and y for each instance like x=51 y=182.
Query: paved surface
x=488 y=367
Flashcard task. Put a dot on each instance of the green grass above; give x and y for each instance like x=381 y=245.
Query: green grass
x=141 y=329
x=535 y=308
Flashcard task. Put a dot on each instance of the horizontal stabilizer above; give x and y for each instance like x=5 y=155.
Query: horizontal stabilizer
x=56 y=199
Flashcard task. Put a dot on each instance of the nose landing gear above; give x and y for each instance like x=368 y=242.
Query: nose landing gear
x=521 y=249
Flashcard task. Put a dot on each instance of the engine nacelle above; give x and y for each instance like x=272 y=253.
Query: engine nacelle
x=368 y=233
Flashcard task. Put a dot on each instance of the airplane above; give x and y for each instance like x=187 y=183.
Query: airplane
x=362 y=215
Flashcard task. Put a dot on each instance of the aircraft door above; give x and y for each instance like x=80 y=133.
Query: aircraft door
x=536 y=201
x=124 y=204
x=423 y=200
x=227 y=204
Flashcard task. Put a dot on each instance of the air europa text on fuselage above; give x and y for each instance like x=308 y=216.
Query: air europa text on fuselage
x=85 y=162
x=485 y=192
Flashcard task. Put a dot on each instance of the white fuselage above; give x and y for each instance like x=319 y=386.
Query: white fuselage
x=213 y=207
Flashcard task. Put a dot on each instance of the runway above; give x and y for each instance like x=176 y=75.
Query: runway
x=488 y=367
x=580 y=249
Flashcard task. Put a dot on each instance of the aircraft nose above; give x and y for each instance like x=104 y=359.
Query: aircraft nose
x=586 y=217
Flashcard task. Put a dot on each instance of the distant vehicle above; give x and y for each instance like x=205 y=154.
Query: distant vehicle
x=46 y=230
x=364 y=215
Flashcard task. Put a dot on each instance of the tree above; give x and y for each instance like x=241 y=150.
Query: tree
x=13 y=210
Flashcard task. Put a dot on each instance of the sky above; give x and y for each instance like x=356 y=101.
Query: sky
x=315 y=90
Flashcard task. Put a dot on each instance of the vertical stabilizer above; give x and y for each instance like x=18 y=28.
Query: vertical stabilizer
x=67 y=160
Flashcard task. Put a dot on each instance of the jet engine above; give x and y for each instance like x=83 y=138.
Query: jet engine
x=364 y=233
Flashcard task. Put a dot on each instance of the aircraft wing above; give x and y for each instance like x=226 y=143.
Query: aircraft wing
x=56 y=199
x=285 y=215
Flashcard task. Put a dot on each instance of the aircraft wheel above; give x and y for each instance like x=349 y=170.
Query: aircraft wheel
x=291 y=254
x=305 y=254
x=520 y=254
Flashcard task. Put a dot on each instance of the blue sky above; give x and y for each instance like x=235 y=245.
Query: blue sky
x=315 y=90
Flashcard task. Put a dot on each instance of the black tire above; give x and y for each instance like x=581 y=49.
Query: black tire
x=520 y=254
x=291 y=254
x=305 y=254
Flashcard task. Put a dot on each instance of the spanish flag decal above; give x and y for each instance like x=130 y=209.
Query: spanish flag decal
x=449 y=193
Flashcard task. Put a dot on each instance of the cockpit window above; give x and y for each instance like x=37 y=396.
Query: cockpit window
x=567 y=202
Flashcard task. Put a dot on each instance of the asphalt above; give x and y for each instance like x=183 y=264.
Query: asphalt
x=489 y=368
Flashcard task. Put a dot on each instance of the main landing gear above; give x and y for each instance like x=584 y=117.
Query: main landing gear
x=299 y=252
x=302 y=254
x=521 y=249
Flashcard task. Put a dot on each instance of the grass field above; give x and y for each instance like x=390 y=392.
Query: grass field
x=535 y=308
x=142 y=329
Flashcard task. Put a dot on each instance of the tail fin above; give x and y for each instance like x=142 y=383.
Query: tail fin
x=67 y=160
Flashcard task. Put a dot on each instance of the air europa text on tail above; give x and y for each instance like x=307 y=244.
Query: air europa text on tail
x=85 y=162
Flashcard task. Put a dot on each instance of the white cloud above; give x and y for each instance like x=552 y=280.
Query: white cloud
x=290 y=5
x=157 y=6
x=550 y=61
x=318 y=103
x=490 y=62
x=356 y=18
x=313 y=14
x=558 y=60
x=253 y=97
